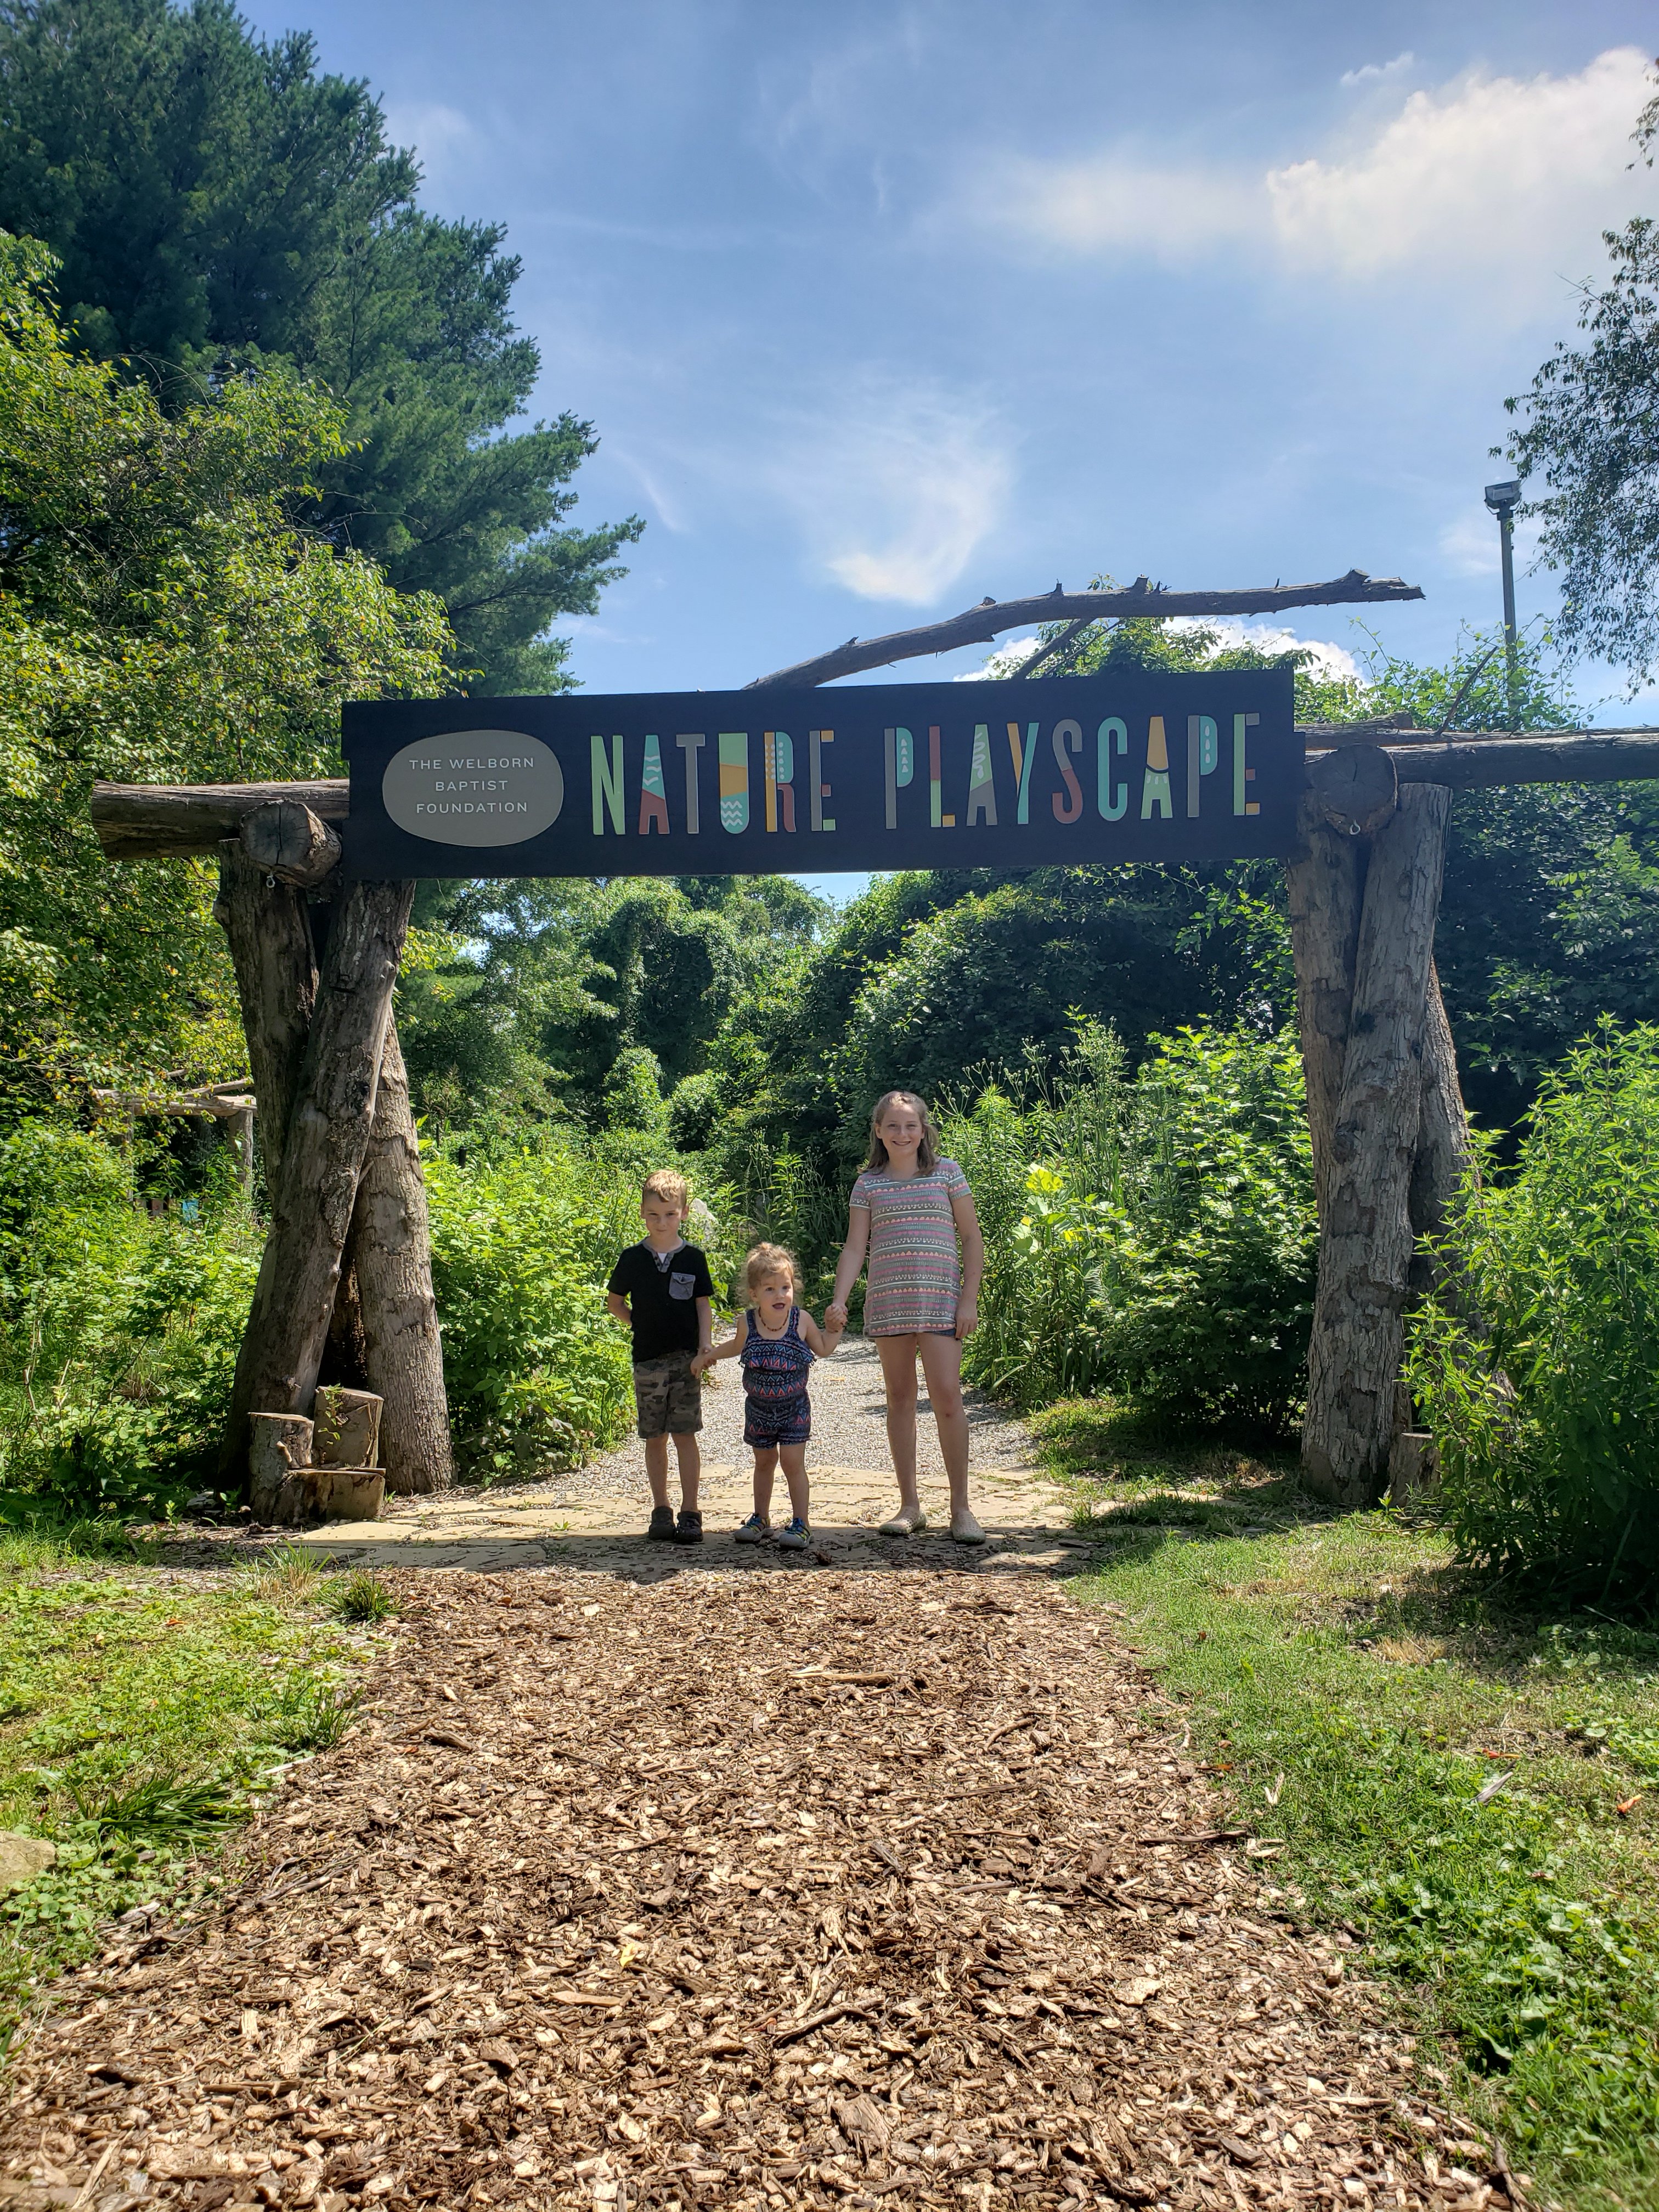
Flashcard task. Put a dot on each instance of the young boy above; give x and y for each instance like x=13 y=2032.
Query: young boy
x=661 y=1289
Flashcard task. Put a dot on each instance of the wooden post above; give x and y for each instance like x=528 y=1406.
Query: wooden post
x=1366 y=1241
x=276 y=983
x=1327 y=884
x=316 y=1188
x=390 y=1262
x=1444 y=1151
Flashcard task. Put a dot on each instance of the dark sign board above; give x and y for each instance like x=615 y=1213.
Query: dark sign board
x=1134 y=767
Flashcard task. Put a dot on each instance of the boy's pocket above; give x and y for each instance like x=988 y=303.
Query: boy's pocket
x=681 y=1286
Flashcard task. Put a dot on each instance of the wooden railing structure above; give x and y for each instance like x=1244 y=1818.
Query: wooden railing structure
x=345 y=1284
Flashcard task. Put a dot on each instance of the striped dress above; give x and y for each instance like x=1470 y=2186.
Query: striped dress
x=915 y=1277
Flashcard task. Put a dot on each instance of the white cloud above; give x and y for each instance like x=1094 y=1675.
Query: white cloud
x=1489 y=187
x=1327 y=660
x=1470 y=542
x=893 y=486
x=1375 y=72
x=443 y=137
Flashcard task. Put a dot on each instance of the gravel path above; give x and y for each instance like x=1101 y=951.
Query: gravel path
x=848 y=1430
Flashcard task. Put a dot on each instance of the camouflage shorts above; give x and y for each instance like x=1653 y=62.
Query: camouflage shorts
x=669 y=1396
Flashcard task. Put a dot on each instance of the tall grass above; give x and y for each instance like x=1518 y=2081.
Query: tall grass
x=1148 y=1233
x=1539 y=1376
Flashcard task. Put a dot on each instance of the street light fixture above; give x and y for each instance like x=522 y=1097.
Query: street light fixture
x=1503 y=499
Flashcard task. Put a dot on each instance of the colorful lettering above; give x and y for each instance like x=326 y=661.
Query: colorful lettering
x=981 y=785
x=936 y=813
x=733 y=749
x=780 y=780
x=1024 y=756
x=1111 y=800
x=607 y=785
x=1155 y=788
x=653 y=794
x=691 y=742
x=900 y=749
x=1067 y=739
x=1203 y=751
x=1243 y=773
x=818 y=790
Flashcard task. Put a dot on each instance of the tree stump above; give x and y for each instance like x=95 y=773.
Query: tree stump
x=346 y=1427
x=279 y=1453
x=1366 y=1243
x=316 y=1188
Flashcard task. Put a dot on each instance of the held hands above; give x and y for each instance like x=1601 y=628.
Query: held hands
x=834 y=1315
x=967 y=1317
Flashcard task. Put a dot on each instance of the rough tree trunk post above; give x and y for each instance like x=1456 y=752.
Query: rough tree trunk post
x=1326 y=882
x=1444 y=1151
x=316 y=1188
x=390 y=1259
x=277 y=984
x=1367 y=1246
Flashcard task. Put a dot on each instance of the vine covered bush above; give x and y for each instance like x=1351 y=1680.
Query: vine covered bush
x=1537 y=1371
x=1149 y=1234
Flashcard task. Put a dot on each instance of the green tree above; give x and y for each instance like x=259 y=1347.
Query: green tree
x=215 y=201
x=161 y=619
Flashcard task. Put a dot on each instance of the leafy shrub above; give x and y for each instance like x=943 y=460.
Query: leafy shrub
x=1152 y=1235
x=118 y=1332
x=1546 y=1410
x=537 y=1373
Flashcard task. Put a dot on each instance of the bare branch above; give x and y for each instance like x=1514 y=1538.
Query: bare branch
x=982 y=625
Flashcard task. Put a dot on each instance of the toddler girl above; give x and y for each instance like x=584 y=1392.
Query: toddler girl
x=909 y=1210
x=774 y=1345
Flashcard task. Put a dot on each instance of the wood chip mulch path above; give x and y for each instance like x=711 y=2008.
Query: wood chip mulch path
x=807 y=1889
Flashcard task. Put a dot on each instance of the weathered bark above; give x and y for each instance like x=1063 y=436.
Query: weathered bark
x=315 y=1191
x=1444 y=1151
x=1326 y=882
x=346 y=1427
x=288 y=840
x=391 y=1259
x=279 y=1452
x=154 y=821
x=1356 y=787
x=270 y=949
x=1476 y=763
x=1366 y=1244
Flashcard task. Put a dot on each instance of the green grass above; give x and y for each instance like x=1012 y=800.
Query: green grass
x=1350 y=1657
x=139 y=1715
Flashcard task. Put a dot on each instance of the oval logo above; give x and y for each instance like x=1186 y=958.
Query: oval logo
x=475 y=787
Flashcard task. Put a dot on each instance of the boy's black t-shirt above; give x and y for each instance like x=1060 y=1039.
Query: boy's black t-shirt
x=663 y=1299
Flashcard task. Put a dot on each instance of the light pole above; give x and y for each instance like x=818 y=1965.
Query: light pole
x=1502 y=498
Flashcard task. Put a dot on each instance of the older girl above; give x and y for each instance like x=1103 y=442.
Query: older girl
x=910 y=1211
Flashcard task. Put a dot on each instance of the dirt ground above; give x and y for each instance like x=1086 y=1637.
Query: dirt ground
x=793 y=1886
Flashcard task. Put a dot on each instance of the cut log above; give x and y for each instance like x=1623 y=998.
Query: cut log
x=1365 y=1250
x=1356 y=788
x=1326 y=882
x=346 y=1427
x=390 y=1261
x=1565 y=757
x=1414 y=1467
x=1445 y=1155
x=157 y=821
x=279 y=1452
x=270 y=951
x=316 y=1186
x=290 y=843
x=349 y=1493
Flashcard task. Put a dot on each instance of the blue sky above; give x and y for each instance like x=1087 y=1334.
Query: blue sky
x=878 y=308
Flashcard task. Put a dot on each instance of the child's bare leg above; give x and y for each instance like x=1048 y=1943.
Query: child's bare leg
x=656 y=1468
x=941 y=1363
x=898 y=1372
x=766 y=1466
x=691 y=1459
x=794 y=1473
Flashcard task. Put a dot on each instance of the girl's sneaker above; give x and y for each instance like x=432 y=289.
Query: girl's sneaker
x=796 y=1537
x=754 y=1530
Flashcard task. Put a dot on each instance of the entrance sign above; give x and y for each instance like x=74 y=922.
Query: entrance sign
x=1049 y=772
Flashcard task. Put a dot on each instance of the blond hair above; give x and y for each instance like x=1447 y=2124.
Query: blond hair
x=668 y=1184
x=769 y=1259
x=927 y=1151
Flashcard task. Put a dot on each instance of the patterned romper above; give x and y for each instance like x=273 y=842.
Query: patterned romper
x=776 y=1410
x=915 y=1277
